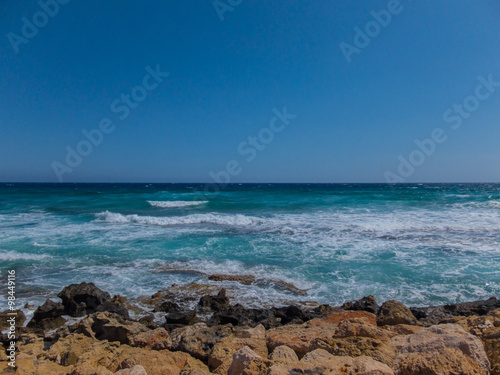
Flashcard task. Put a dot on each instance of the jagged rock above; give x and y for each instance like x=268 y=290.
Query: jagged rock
x=246 y=361
x=157 y=339
x=5 y=315
x=148 y=321
x=112 y=327
x=214 y=303
x=82 y=299
x=244 y=279
x=394 y=312
x=319 y=362
x=290 y=314
x=222 y=353
x=136 y=370
x=198 y=339
x=167 y=306
x=368 y=303
x=237 y=315
x=114 y=307
x=283 y=354
x=433 y=315
x=441 y=349
x=47 y=316
x=300 y=338
x=183 y=317
x=258 y=332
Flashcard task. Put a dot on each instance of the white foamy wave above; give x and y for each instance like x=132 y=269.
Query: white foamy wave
x=495 y=204
x=175 y=204
x=44 y=245
x=217 y=219
x=14 y=255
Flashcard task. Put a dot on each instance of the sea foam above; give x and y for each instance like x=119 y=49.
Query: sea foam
x=14 y=255
x=175 y=204
x=217 y=219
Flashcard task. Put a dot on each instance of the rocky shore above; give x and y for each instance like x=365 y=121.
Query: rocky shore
x=91 y=333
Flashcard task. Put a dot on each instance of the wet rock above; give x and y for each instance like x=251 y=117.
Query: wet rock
x=6 y=315
x=433 y=315
x=244 y=279
x=368 y=303
x=209 y=303
x=394 y=312
x=168 y=307
x=441 y=349
x=238 y=315
x=198 y=340
x=82 y=299
x=48 y=316
x=290 y=314
x=148 y=321
x=182 y=317
x=114 y=307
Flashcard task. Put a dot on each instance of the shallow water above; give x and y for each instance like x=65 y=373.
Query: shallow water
x=421 y=244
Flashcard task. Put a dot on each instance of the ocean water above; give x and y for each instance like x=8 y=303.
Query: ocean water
x=421 y=244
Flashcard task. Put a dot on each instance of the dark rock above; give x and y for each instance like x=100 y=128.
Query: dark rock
x=115 y=308
x=183 y=317
x=323 y=310
x=290 y=314
x=243 y=279
x=443 y=314
x=473 y=308
x=148 y=321
x=368 y=303
x=167 y=307
x=82 y=299
x=214 y=303
x=47 y=316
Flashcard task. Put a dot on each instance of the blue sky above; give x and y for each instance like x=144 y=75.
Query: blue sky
x=354 y=120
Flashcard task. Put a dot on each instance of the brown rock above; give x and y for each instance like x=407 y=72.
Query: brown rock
x=247 y=362
x=394 y=312
x=321 y=362
x=284 y=354
x=112 y=327
x=157 y=339
x=198 y=339
x=300 y=337
x=223 y=351
x=441 y=349
x=136 y=370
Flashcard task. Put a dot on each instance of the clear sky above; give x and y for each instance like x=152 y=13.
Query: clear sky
x=355 y=104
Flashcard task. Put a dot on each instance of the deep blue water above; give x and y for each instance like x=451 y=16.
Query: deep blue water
x=421 y=244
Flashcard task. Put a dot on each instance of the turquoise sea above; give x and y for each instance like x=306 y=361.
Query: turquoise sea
x=421 y=244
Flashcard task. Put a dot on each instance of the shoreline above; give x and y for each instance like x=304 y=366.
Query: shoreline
x=161 y=323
